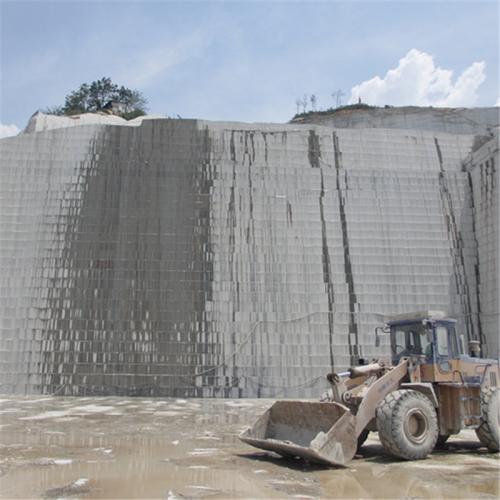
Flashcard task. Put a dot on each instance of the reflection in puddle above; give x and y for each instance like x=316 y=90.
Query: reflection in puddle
x=177 y=448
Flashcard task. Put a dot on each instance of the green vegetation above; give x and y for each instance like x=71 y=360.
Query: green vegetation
x=331 y=111
x=93 y=97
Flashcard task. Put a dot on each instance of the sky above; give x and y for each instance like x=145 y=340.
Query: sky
x=249 y=61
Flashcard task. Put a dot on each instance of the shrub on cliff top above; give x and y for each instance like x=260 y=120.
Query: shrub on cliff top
x=97 y=95
x=331 y=111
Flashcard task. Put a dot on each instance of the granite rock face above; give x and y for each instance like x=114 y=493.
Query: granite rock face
x=193 y=258
x=482 y=168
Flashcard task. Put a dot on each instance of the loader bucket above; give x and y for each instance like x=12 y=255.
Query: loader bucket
x=317 y=432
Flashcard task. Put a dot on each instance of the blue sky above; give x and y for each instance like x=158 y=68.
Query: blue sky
x=250 y=61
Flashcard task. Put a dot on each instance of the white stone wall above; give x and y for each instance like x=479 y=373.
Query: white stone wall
x=483 y=166
x=193 y=258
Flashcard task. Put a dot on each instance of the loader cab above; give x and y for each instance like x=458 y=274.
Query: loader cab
x=428 y=339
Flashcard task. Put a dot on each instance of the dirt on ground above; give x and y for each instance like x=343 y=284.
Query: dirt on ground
x=115 y=447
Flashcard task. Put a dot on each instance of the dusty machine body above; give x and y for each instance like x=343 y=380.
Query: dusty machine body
x=428 y=390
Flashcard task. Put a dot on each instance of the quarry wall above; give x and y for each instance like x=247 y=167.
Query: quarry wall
x=193 y=258
x=482 y=168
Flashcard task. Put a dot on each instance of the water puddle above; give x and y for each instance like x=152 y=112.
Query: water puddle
x=115 y=447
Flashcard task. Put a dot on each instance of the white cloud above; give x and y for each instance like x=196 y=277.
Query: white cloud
x=8 y=130
x=418 y=81
x=498 y=102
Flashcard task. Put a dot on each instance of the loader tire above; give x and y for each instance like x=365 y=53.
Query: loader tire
x=407 y=424
x=488 y=432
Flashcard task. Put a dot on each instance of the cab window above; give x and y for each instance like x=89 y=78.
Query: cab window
x=442 y=341
x=453 y=342
x=399 y=338
x=410 y=339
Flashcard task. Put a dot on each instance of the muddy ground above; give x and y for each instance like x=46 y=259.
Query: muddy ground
x=112 y=447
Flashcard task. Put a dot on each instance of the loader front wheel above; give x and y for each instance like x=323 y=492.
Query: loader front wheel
x=407 y=424
x=488 y=432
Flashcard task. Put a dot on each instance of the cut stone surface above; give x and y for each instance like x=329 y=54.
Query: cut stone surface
x=193 y=258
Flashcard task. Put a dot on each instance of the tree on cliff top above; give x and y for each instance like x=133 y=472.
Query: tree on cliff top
x=94 y=96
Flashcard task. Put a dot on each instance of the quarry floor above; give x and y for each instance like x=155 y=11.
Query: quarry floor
x=112 y=447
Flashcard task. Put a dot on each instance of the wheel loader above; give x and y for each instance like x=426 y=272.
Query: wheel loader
x=428 y=390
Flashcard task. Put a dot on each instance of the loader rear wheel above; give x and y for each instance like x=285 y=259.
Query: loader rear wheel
x=488 y=432
x=407 y=424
